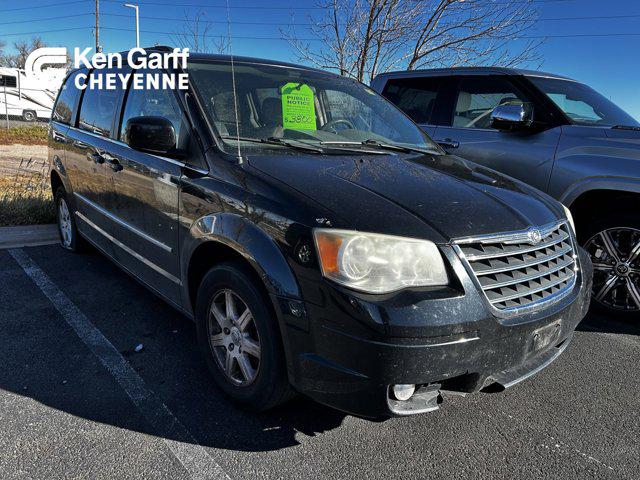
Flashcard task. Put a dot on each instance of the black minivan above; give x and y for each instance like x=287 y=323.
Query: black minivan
x=319 y=239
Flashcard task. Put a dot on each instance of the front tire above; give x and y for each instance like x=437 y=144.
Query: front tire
x=613 y=244
x=239 y=338
x=70 y=239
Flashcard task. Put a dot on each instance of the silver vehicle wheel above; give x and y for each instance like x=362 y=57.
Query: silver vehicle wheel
x=233 y=338
x=64 y=223
x=615 y=253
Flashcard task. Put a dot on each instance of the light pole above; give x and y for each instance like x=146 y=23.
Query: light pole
x=98 y=48
x=135 y=7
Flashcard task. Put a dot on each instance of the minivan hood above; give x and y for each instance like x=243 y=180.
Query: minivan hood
x=388 y=194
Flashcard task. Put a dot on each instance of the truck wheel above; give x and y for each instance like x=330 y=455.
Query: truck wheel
x=613 y=243
x=29 y=116
x=240 y=340
x=70 y=239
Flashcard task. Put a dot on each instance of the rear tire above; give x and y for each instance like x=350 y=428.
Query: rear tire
x=70 y=239
x=241 y=343
x=613 y=244
x=29 y=116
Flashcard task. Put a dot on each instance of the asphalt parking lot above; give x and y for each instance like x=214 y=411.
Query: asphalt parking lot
x=78 y=401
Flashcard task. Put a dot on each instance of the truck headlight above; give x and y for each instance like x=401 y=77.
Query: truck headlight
x=567 y=212
x=375 y=263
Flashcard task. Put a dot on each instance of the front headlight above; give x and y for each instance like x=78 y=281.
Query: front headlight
x=567 y=212
x=376 y=263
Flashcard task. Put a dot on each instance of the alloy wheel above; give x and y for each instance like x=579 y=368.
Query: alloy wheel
x=615 y=253
x=64 y=223
x=233 y=337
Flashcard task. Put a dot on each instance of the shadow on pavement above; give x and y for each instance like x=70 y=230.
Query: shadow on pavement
x=43 y=359
x=597 y=322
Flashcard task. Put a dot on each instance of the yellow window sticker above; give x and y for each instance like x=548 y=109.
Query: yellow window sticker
x=298 y=109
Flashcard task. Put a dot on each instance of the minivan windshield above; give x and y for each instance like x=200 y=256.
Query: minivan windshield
x=287 y=108
x=582 y=104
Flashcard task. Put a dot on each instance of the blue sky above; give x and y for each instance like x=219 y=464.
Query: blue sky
x=607 y=62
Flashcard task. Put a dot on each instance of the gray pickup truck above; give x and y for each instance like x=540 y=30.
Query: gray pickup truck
x=554 y=133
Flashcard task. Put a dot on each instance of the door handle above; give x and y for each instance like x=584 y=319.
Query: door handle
x=448 y=143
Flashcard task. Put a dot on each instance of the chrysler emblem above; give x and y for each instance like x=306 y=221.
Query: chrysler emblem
x=534 y=236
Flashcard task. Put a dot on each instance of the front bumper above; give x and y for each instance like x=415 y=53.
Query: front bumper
x=348 y=349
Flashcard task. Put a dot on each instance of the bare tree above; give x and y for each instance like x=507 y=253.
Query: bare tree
x=361 y=38
x=195 y=34
x=24 y=48
x=3 y=59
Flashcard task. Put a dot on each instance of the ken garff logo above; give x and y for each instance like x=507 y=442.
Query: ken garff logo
x=45 y=56
x=534 y=236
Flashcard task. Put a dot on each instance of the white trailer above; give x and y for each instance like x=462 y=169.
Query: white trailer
x=28 y=97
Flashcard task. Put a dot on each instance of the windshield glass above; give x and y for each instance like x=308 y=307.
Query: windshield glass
x=289 y=108
x=582 y=104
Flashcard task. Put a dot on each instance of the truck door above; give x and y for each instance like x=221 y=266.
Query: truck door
x=525 y=155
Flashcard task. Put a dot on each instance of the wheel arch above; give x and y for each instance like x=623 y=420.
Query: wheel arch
x=588 y=203
x=56 y=181
x=591 y=184
x=220 y=237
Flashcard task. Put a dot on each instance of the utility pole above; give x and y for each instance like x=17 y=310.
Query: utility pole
x=98 y=47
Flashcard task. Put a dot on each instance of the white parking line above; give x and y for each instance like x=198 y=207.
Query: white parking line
x=195 y=459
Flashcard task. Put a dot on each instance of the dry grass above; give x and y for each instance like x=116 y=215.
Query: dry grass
x=27 y=135
x=25 y=195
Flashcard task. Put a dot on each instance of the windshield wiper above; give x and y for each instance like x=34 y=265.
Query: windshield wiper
x=627 y=127
x=276 y=141
x=301 y=145
x=382 y=145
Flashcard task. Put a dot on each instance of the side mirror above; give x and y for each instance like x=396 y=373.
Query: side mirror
x=150 y=134
x=512 y=117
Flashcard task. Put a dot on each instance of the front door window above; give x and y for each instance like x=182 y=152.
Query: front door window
x=477 y=97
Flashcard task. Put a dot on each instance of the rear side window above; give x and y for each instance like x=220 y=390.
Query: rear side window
x=415 y=96
x=63 y=110
x=97 y=111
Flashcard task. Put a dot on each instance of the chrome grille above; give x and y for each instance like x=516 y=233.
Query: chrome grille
x=522 y=269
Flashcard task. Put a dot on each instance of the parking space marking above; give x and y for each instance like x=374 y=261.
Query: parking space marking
x=556 y=445
x=195 y=459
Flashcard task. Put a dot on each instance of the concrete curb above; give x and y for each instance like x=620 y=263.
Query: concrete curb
x=28 y=236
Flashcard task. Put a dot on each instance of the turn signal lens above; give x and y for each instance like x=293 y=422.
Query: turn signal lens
x=377 y=263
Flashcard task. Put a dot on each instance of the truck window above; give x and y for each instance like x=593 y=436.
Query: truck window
x=63 y=109
x=97 y=110
x=414 y=96
x=478 y=96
